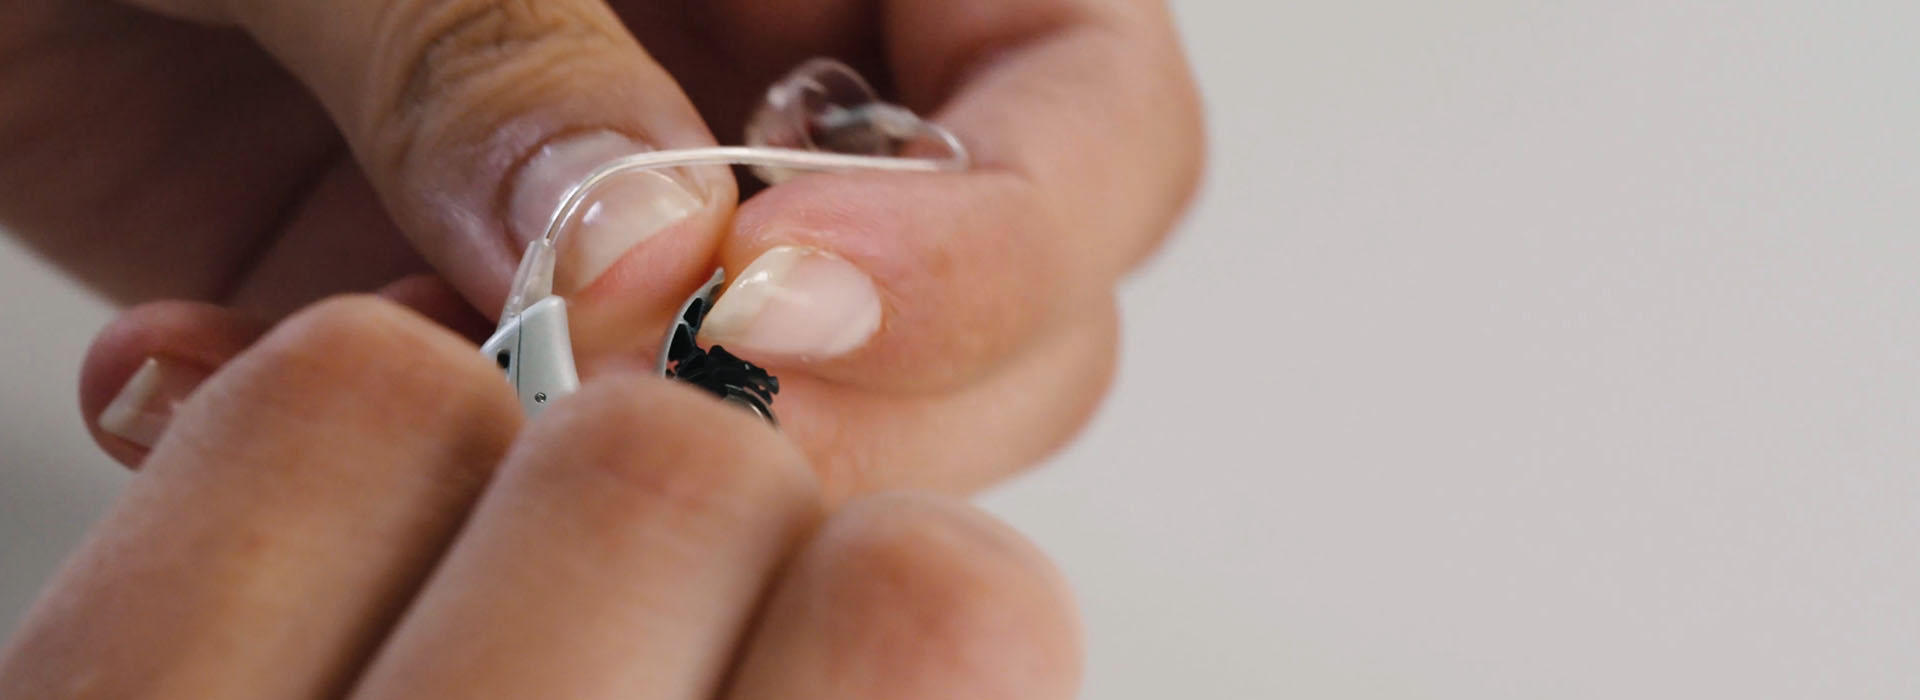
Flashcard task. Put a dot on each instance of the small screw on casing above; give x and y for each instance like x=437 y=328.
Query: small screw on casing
x=540 y=397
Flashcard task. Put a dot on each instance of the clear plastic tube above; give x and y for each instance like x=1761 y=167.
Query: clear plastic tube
x=821 y=96
x=757 y=156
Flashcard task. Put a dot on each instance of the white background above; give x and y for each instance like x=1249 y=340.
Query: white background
x=1516 y=350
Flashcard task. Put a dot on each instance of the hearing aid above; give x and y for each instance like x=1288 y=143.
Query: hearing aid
x=822 y=117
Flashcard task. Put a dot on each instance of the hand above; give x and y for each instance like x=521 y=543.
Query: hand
x=962 y=324
x=344 y=510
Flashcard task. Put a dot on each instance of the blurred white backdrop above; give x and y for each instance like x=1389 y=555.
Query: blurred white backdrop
x=1515 y=350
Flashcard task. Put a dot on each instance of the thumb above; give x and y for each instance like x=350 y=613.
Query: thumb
x=473 y=118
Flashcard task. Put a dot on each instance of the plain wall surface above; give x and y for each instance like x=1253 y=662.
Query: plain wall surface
x=1514 y=350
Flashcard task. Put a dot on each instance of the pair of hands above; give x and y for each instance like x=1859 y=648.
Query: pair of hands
x=349 y=502
x=352 y=507
x=264 y=154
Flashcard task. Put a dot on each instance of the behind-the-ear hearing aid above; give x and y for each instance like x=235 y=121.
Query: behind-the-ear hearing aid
x=821 y=117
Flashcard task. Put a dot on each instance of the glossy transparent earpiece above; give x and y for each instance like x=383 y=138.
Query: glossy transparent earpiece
x=825 y=107
x=821 y=117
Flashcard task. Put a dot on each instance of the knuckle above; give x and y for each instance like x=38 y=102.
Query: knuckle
x=351 y=387
x=459 y=92
x=338 y=336
x=459 y=39
x=464 y=54
x=935 y=547
x=359 y=347
x=940 y=576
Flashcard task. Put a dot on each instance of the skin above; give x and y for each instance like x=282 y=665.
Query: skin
x=258 y=155
x=352 y=504
x=289 y=539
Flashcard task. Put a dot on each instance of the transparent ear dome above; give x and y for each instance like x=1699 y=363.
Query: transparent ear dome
x=812 y=105
x=825 y=107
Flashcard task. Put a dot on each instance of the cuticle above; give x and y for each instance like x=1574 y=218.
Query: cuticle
x=504 y=193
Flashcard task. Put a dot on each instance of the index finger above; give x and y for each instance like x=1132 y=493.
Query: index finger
x=619 y=553
x=283 y=521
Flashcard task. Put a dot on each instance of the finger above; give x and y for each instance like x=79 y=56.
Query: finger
x=148 y=361
x=961 y=441
x=153 y=357
x=619 y=554
x=908 y=597
x=1084 y=127
x=472 y=119
x=280 y=525
x=338 y=239
x=146 y=155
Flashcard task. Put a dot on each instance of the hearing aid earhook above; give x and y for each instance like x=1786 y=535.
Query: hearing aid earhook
x=822 y=117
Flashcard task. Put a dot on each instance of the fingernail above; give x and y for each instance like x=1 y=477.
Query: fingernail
x=796 y=302
x=621 y=213
x=144 y=406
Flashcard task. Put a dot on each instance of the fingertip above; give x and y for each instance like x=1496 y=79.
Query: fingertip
x=910 y=284
x=796 y=302
x=151 y=356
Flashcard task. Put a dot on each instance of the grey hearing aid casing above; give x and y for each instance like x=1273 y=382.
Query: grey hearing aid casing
x=536 y=352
